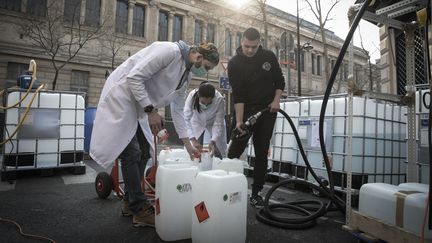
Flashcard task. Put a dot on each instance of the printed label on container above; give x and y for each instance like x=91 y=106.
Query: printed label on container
x=201 y=212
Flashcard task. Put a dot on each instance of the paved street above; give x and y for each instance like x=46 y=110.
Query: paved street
x=65 y=208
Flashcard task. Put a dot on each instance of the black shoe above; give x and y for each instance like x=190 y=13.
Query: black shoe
x=256 y=201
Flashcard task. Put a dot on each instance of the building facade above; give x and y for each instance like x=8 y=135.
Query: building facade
x=122 y=27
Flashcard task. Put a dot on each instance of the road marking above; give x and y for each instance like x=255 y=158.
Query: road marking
x=88 y=177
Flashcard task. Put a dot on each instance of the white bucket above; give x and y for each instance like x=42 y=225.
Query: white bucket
x=174 y=201
x=219 y=207
x=234 y=165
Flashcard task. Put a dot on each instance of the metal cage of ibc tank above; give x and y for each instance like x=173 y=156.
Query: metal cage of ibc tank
x=423 y=96
x=57 y=144
x=384 y=163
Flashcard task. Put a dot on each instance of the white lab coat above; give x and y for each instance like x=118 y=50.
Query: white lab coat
x=151 y=76
x=212 y=119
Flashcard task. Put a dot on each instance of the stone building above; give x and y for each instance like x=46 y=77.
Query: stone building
x=126 y=26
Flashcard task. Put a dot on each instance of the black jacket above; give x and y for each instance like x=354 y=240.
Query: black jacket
x=255 y=79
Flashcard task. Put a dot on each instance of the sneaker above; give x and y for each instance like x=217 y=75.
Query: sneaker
x=256 y=201
x=125 y=211
x=145 y=217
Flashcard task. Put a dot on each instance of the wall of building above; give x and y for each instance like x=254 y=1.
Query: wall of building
x=96 y=60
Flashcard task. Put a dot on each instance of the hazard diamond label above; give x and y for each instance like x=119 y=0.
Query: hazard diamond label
x=157 y=206
x=201 y=212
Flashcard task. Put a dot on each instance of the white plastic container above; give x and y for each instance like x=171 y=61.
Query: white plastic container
x=220 y=206
x=174 y=201
x=52 y=134
x=415 y=187
x=380 y=201
x=233 y=165
x=173 y=155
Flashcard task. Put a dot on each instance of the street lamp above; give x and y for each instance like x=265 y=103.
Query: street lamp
x=306 y=46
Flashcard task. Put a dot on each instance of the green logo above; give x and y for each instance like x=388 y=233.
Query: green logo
x=225 y=197
x=187 y=187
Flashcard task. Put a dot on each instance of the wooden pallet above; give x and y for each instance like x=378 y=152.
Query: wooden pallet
x=375 y=230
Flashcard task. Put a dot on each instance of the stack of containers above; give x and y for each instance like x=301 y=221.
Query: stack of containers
x=379 y=146
x=193 y=202
x=52 y=135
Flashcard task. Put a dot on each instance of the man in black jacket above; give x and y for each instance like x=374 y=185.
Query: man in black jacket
x=257 y=83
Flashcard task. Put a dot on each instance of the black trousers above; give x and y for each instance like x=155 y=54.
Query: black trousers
x=261 y=134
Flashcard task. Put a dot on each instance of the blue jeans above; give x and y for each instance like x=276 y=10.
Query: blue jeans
x=133 y=162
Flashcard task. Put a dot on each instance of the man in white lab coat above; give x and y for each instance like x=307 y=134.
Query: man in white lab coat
x=205 y=110
x=127 y=117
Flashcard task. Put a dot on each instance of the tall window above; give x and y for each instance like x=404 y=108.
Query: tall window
x=313 y=63
x=79 y=80
x=92 y=12
x=37 y=7
x=14 y=5
x=72 y=11
x=302 y=61
x=238 y=39
x=177 y=28
x=211 y=28
x=138 y=21
x=163 y=26
x=319 y=65
x=227 y=42
x=198 y=32
x=13 y=71
x=121 y=17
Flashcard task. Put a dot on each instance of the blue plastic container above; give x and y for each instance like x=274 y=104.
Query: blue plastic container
x=88 y=118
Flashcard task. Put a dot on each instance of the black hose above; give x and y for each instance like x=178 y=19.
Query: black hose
x=300 y=208
x=335 y=70
x=266 y=215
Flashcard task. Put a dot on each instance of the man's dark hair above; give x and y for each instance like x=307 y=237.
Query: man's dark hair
x=251 y=34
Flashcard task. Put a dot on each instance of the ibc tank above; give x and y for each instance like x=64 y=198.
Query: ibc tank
x=52 y=134
x=379 y=146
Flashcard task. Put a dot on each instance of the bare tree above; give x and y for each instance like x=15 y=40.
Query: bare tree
x=114 y=43
x=61 y=40
x=323 y=18
x=262 y=7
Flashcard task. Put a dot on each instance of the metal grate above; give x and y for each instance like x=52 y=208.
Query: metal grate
x=420 y=64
